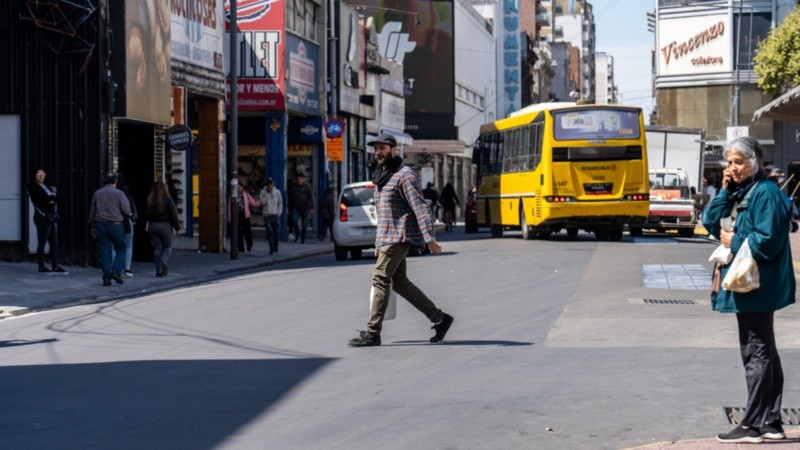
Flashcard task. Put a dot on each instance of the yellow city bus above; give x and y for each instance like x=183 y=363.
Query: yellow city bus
x=554 y=166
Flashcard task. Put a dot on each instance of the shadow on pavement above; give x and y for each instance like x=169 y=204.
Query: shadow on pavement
x=19 y=342
x=463 y=342
x=193 y=404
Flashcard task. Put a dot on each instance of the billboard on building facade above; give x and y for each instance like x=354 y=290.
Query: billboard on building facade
x=261 y=46
x=694 y=45
x=302 y=86
x=148 y=76
x=198 y=32
x=351 y=73
x=420 y=35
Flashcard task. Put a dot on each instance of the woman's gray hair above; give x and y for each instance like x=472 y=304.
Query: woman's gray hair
x=748 y=147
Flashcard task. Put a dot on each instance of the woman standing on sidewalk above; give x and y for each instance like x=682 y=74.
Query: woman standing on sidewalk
x=761 y=218
x=45 y=218
x=161 y=219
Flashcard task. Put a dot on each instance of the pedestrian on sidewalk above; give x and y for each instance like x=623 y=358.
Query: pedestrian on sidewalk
x=449 y=201
x=45 y=217
x=301 y=205
x=761 y=217
x=431 y=194
x=109 y=208
x=326 y=212
x=403 y=221
x=128 y=228
x=162 y=218
x=243 y=201
x=271 y=208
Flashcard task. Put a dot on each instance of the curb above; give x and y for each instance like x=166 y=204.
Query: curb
x=16 y=311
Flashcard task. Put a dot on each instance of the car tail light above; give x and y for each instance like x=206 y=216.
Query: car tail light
x=342 y=212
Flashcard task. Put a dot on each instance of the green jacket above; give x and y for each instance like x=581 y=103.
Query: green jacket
x=764 y=220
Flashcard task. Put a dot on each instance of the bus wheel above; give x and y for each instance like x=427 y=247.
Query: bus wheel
x=635 y=231
x=615 y=234
x=601 y=234
x=527 y=233
x=686 y=232
x=496 y=230
x=572 y=233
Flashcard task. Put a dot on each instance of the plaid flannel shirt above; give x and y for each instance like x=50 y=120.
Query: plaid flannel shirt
x=403 y=215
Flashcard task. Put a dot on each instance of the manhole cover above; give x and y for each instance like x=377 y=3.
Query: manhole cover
x=789 y=416
x=667 y=301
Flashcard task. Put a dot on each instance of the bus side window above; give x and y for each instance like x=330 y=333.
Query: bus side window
x=533 y=149
x=525 y=149
x=497 y=158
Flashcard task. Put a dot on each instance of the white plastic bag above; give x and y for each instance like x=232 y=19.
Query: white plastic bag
x=391 y=308
x=743 y=273
x=721 y=255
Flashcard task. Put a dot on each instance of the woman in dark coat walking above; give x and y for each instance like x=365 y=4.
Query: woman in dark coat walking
x=761 y=217
x=162 y=218
x=45 y=207
x=449 y=201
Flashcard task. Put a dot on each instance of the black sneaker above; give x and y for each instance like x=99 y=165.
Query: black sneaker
x=106 y=282
x=117 y=277
x=746 y=435
x=44 y=269
x=59 y=269
x=365 y=339
x=772 y=431
x=442 y=327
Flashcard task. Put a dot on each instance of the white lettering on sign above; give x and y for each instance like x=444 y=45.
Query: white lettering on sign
x=511 y=54
x=259 y=54
x=673 y=50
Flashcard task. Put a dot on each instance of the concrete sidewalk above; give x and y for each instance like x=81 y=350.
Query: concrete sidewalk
x=23 y=289
x=792 y=441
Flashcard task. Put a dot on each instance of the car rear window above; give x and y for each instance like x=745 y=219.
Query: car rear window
x=358 y=196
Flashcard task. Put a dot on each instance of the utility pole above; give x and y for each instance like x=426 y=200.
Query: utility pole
x=233 y=156
x=736 y=87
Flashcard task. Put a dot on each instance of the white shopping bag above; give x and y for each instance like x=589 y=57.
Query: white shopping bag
x=391 y=308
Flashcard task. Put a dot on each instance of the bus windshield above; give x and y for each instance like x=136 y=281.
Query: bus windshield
x=596 y=123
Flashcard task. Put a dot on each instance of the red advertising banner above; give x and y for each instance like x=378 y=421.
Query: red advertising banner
x=261 y=45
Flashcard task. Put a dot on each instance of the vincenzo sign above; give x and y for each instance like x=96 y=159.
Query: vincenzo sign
x=694 y=45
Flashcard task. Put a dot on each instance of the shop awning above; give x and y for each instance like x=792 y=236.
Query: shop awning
x=437 y=146
x=786 y=107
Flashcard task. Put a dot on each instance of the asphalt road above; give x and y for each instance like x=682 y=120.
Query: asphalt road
x=552 y=347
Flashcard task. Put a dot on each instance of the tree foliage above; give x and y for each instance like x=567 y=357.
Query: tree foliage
x=777 y=58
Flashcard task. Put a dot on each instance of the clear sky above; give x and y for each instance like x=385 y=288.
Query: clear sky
x=621 y=31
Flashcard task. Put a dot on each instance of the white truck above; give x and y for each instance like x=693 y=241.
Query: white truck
x=675 y=158
x=671 y=204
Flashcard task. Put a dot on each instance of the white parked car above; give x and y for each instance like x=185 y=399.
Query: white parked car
x=356 y=220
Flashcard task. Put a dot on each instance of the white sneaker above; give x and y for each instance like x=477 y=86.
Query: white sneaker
x=129 y=274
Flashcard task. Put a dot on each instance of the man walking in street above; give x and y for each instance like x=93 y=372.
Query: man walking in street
x=301 y=205
x=271 y=208
x=403 y=221
x=110 y=207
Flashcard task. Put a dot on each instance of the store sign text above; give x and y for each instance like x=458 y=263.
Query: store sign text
x=511 y=50
x=674 y=50
x=260 y=56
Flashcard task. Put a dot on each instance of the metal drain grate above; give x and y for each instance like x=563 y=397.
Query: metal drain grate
x=789 y=416
x=659 y=301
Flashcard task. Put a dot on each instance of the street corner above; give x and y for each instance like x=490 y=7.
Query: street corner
x=792 y=441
